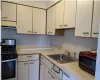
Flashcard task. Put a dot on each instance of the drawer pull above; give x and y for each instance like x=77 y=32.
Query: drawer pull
x=48 y=72
x=85 y=32
x=29 y=56
x=95 y=33
x=35 y=32
x=25 y=63
x=65 y=25
x=4 y=17
x=32 y=63
x=41 y=57
x=52 y=76
x=29 y=31
x=61 y=25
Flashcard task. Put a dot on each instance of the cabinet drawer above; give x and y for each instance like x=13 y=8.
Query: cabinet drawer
x=28 y=57
x=33 y=57
x=22 y=58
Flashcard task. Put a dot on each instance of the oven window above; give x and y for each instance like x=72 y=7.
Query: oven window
x=88 y=62
x=8 y=69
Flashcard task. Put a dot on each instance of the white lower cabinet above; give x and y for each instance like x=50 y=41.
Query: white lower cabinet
x=28 y=67
x=42 y=67
x=49 y=75
x=46 y=74
x=34 y=70
x=23 y=70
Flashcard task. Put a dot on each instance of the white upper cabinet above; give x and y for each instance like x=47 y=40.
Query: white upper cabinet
x=39 y=21
x=59 y=15
x=84 y=18
x=24 y=19
x=51 y=21
x=96 y=19
x=8 y=11
x=69 y=13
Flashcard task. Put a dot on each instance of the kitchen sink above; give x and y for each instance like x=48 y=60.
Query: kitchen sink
x=62 y=58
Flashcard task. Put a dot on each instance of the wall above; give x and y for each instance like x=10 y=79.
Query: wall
x=51 y=2
x=74 y=44
x=25 y=39
x=36 y=3
x=40 y=4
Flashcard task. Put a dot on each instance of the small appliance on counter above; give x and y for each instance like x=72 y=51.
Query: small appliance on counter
x=8 y=59
x=87 y=61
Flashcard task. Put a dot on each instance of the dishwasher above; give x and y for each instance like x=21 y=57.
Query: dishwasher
x=66 y=76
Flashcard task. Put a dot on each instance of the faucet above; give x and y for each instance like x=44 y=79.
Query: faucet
x=67 y=52
x=61 y=55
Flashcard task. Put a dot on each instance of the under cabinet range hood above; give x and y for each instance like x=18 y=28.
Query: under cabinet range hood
x=8 y=27
x=8 y=24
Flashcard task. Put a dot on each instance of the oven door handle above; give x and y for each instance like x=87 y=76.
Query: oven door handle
x=9 y=60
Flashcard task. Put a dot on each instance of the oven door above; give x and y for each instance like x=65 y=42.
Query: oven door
x=8 y=69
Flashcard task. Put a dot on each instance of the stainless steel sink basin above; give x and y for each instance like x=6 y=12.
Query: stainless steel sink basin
x=62 y=58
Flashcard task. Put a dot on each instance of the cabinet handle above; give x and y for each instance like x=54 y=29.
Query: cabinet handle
x=61 y=25
x=4 y=17
x=52 y=76
x=29 y=31
x=41 y=57
x=48 y=72
x=35 y=32
x=95 y=33
x=85 y=32
x=29 y=56
x=32 y=63
x=25 y=63
x=65 y=25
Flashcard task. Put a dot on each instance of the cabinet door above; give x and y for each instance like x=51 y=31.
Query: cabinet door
x=53 y=77
x=34 y=70
x=24 y=19
x=51 y=20
x=39 y=21
x=96 y=19
x=69 y=13
x=42 y=67
x=47 y=74
x=84 y=18
x=59 y=15
x=22 y=70
x=8 y=11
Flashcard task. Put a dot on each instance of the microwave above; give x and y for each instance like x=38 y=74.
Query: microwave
x=87 y=61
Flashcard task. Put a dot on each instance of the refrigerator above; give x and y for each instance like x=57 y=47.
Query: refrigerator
x=97 y=73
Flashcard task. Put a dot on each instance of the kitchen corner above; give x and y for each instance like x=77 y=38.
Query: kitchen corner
x=68 y=68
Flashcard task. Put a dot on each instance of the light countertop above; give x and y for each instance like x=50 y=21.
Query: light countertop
x=71 y=68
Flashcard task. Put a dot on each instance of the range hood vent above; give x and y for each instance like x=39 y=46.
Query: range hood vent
x=8 y=27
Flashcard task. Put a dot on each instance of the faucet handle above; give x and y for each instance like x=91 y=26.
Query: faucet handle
x=67 y=52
